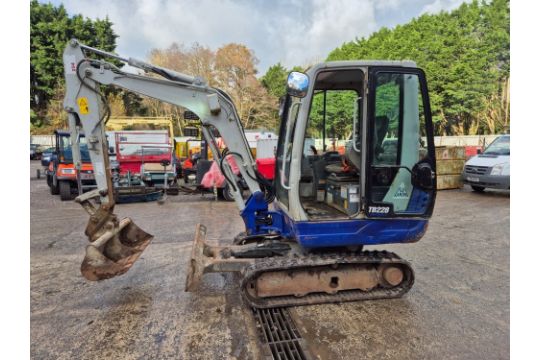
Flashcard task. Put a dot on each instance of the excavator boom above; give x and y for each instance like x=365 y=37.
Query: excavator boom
x=116 y=245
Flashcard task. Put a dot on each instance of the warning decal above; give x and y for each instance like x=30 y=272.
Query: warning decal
x=401 y=192
x=83 y=105
x=70 y=64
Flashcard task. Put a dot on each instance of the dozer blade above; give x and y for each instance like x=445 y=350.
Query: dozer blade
x=197 y=261
x=114 y=245
x=207 y=258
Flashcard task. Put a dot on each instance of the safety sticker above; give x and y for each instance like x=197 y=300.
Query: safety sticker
x=83 y=106
x=401 y=192
x=71 y=64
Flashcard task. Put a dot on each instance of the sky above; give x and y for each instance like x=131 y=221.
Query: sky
x=293 y=32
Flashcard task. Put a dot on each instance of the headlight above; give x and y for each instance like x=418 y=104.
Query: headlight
x=497 y=169
x=68 y=171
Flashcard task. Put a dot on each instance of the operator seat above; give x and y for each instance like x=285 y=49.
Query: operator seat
x=353 y=157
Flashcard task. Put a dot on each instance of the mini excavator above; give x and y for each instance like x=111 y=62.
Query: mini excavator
x=355 y=166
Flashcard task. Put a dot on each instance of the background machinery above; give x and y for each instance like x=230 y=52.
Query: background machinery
x=133 y=142
x=198 y=171
x=145 y=168
x=63 y=176
x=304 y=234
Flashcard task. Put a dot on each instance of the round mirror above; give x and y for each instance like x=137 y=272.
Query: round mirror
x=297 y=84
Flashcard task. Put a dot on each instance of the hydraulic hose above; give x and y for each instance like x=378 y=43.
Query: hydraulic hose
x=265 y=185
x=107 y=113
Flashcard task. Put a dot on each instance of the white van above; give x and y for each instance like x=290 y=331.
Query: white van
x=491 y=169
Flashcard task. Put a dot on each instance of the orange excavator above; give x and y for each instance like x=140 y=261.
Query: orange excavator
x=63 y=176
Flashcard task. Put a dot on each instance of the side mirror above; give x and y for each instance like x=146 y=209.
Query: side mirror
x=297 y=84
x=423 y=176
x=478 y=151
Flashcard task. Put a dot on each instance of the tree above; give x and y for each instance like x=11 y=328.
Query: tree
x=196 y=60
x=275 y=80
x=235 y=68
x=230 y=68
x=465 y=54
x=50 y=30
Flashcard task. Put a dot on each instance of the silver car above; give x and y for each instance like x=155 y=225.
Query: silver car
x=491 y=169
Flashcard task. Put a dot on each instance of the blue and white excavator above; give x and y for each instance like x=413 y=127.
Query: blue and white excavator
x=355 y=166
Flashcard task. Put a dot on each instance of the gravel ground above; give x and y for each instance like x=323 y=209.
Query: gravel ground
x=457 y=309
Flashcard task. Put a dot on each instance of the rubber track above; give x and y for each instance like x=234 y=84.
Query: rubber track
x=291 y=263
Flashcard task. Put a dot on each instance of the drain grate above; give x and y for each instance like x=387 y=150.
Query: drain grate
x=279 y=332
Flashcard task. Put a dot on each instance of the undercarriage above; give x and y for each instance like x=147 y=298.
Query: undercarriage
x=279 y=273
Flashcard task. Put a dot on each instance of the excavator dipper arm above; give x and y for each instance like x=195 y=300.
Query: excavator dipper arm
x=116 y=245
x=213 y=106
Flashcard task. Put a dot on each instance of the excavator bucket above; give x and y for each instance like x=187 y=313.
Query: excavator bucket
x=114 y=252
x=115 y=245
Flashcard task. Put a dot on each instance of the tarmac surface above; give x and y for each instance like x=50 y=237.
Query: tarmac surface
x=458 y=307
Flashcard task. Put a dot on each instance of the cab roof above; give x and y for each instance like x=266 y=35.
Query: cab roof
x=361 y=63
x=348 y=75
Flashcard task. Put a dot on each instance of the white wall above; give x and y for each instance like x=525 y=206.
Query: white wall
x=465 y=140
x=45 y=140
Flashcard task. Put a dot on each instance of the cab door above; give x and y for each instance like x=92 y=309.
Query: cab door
x=401 y=178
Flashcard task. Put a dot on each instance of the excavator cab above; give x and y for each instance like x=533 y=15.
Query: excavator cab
x=355 y=144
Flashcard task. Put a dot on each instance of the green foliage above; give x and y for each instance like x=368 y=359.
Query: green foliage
x=275 y=83
x=275 y=79
x=34 y=120
x=387 y=104
x=133 y=104
x=466 y=56
x=339 y=114
x=50 y=30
